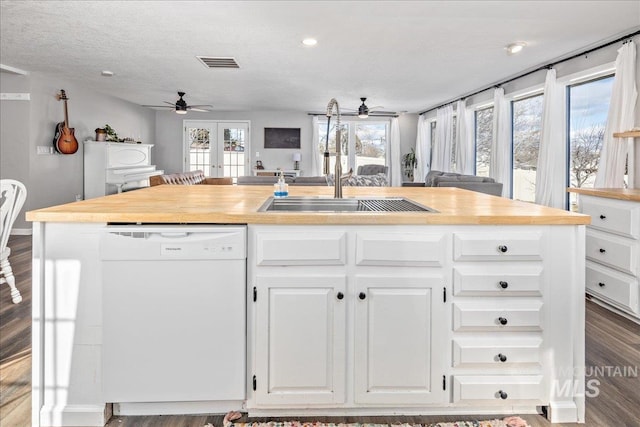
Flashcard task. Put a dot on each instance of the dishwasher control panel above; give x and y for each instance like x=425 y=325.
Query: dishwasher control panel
x=173 y=242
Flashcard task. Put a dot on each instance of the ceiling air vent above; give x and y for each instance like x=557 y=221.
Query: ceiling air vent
x=218 y=62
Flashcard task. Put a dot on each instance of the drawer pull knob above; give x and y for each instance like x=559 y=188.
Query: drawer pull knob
x=503 y=395
x=362 y=295
x=340 y=295
x=503 y=248
x=603 y=217
x=503 y=320
x=503 y=284
x=502 y=357
x=601 y=284
x=602 y=250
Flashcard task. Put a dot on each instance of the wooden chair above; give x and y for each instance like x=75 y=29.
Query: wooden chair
x=12 y=195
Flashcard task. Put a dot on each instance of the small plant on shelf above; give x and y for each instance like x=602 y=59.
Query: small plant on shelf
x=111 y=133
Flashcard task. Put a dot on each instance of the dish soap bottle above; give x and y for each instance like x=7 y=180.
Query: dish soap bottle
x=281 y=188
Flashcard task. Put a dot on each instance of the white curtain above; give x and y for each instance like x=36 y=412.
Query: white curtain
x=423 y=149
x=465 y=147
x=500 y=166
x=441 y=158
x=620 y=118
x=550 y=175
x=393 y=155
x=316 y=159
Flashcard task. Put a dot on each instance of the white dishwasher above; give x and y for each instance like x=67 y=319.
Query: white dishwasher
x=174 y=325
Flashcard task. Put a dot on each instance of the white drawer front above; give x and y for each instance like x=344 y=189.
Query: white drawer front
x=497 y=246
x=400 y=249
x=496 y=352
x=614 y=286
x=614 y=251
x=497 y=389
x=616 y=216
x=498 y=279
x=312 y=248
x=503 y=314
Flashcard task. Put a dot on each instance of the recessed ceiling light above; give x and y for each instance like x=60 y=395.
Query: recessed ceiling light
x=514 y=48
x=107 y=73
x=309 y=42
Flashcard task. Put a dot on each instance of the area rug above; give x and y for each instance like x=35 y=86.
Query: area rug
x=229 y=421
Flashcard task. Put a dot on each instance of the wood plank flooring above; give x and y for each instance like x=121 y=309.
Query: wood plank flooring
x=612 y=341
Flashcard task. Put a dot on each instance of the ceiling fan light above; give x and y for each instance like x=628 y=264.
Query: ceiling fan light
x=181 y=111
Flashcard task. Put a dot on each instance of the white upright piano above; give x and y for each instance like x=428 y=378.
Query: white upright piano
x=114 y=167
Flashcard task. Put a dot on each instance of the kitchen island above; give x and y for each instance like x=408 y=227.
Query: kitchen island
x=475 y=308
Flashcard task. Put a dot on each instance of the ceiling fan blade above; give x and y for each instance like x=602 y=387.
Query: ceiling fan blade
x=159 y=106
x=200 y=106
x=173 y=104
x=198 y=109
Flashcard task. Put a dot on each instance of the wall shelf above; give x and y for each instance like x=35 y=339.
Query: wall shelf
x=627 y=134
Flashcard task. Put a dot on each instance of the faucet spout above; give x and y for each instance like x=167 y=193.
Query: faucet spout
x=337 y=182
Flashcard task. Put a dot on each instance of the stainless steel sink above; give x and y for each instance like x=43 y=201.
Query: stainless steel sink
x=356 y=204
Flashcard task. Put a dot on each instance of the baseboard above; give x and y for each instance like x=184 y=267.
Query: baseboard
x=72 y=416
x=563 y=412
x=21 y=232
x=435 y=411
x=177 y=408
x=612 y=308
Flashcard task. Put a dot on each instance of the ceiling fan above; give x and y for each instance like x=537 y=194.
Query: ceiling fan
x=181 y=106
x=364 y=111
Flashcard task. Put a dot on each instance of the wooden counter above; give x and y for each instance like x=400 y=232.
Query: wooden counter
x=610 y=193
x=223 y=204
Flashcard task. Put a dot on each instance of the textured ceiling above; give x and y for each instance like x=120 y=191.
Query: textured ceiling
x=403 y=55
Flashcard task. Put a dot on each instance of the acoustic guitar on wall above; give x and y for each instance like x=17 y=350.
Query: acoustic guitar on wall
x=65 y=140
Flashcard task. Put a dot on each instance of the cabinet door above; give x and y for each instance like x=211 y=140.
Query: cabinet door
x=300 y=340
x=400 y=340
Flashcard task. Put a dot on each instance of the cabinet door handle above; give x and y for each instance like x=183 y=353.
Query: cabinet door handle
x=340 y=295
x=503 y=320
x=362 y=295
x=602 y=250
x=502 y=357
x=503 y=284
x=503 y=395
x=601 y=284
x=603 y=217
x=503 y=248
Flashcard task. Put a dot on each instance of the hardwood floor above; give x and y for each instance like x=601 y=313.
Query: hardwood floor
x=612 y=342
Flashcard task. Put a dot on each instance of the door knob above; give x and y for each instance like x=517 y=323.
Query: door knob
x=503 y=320
x=504 y=285
x=503 y=395
x=362 y=295
x=502 y=357
x=340 y=295
x=503 y=248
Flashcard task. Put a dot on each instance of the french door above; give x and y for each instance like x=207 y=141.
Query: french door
x=219 y=149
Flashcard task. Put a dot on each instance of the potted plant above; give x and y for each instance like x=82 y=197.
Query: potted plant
x=409 y=162
x=111 y=133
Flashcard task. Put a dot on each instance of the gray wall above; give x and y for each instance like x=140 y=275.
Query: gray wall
x=55 y=179
x=169 y=135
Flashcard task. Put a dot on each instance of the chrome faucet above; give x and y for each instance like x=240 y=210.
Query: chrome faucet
x=338 y=177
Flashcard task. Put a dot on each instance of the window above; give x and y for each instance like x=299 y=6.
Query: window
x=484 y=134
x=527 y=126
x=216 y=148
x=588 y=109
x=363 y=143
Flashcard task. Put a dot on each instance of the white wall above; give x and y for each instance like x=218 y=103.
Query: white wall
x=55 y=179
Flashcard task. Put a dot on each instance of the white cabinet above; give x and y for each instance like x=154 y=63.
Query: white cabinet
x=338 y=323
x=426 y=319
x=397 y=354
x=300 y=345
x=613 y=252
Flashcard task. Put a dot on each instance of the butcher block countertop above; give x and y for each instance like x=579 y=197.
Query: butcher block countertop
x=231 y=204
x=610 y=193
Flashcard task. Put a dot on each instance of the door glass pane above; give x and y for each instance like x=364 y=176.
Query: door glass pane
x=199 y=149
x=371 y=143
x=588 y=109
x=235 y=139
x=527 y=125
x=484 y=134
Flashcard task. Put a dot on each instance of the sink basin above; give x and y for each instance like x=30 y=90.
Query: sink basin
x=356 y=204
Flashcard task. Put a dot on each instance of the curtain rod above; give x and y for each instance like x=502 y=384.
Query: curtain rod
x=356 y=115
x=543 y=67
